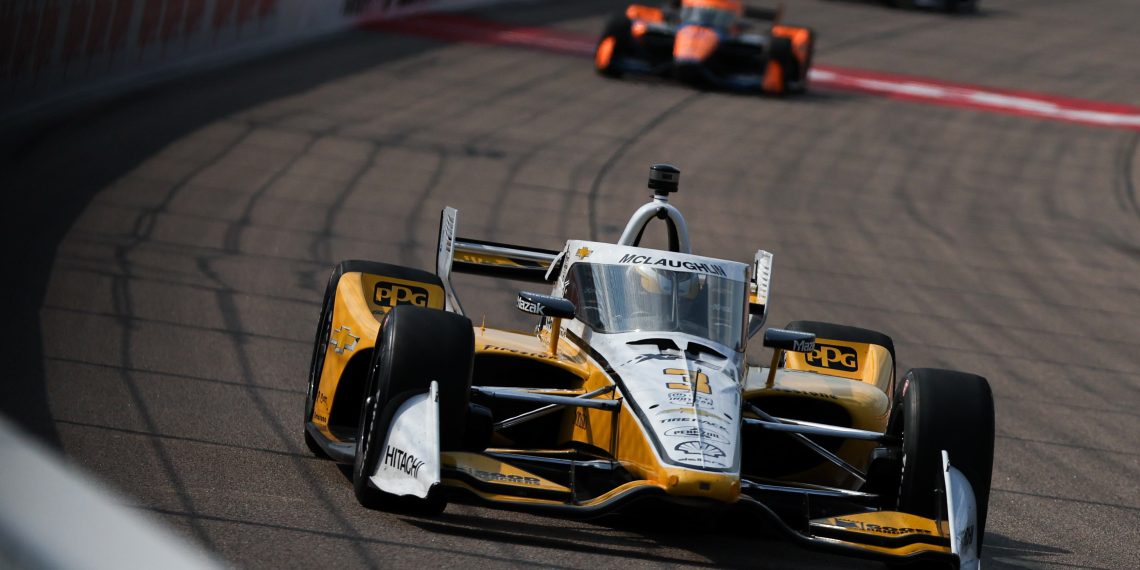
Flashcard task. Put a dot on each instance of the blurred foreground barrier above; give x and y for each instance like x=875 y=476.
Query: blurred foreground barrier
x=51 y=516
x=54 y=52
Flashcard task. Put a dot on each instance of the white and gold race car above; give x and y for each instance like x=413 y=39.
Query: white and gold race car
x=634 y=387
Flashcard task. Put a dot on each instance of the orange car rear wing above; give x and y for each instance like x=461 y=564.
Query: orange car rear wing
x=771 y=14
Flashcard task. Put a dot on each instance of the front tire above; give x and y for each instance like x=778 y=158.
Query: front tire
x=415 y=346
x=952 y=411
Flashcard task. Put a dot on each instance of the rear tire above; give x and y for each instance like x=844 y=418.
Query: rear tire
x=802 y=77
x=952 y=411
x=415 y=346
x=794 y=73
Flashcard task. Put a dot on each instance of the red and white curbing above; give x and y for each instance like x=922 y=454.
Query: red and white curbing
x=1041 y=106
x=458 y=28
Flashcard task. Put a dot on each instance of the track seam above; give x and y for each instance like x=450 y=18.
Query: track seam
x=595 y=186
x=1127 y=157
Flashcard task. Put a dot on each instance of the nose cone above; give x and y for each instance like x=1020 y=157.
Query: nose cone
x=694 y=44
x=692 y=406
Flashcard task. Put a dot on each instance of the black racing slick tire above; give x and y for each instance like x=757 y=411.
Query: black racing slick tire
x=952 y=411
x=415 y=346
x=324 y=329
x=612 y=46
x=320 y=347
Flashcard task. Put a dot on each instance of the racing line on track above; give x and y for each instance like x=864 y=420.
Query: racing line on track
x=457 y=28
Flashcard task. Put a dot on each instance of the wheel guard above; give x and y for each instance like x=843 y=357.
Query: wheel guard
x=410 y=461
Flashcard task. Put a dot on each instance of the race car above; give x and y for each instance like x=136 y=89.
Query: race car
x=634 y=389
x=717 y=43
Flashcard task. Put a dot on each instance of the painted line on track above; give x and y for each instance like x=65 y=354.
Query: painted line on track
x=458 y=28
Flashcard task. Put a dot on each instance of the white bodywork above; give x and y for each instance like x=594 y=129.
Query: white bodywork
x=962 y=509
x=687 y=390
x=409 y=462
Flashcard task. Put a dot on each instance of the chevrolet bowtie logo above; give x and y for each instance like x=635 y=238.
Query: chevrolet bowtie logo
x=342 y=339
x=583 y=252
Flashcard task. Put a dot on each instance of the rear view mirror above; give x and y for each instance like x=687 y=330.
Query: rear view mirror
x=545 y=305
x=794 y=341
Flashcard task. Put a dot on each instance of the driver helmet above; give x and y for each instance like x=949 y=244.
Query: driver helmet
x=665 y=282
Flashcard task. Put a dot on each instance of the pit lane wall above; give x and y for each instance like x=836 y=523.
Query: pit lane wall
x=54 y=52
x=53 y=516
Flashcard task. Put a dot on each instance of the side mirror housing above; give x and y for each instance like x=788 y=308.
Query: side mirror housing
x=781 y=340
x=545 y=305
x=794 y=341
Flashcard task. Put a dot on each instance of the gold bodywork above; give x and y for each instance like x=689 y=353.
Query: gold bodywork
x=360 y=306
x=854 y=376
x=858 y=380
x=356 y=323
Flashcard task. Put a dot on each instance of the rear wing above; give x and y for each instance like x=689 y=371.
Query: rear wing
x=490 y=259
x=770 y=14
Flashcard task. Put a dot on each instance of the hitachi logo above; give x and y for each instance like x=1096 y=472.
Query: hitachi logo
x=690 y=265
x=397 y=458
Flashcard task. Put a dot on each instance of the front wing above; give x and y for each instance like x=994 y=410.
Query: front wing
x=574 y=485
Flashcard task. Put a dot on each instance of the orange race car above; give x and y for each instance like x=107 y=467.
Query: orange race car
x=718 y=43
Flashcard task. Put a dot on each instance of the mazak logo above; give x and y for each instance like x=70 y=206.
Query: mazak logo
x=803 y=345
x=700 y=448
x=388 y=294
x=834 y=357
x=528 y=306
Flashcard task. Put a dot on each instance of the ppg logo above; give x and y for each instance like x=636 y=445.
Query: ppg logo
x=390 y=294
x=834 y=357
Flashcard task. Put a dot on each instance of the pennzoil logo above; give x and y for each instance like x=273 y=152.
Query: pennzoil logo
x=834 y=357
x=388 y=294
x=693 y=431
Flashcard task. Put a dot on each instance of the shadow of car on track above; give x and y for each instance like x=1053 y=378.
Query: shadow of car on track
x=658 y=536
x=665 y=535
x=980 y=10
x=1001 y=551
x=812 y=96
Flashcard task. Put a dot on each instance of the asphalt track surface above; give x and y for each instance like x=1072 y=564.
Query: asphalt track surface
x=167 y=251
